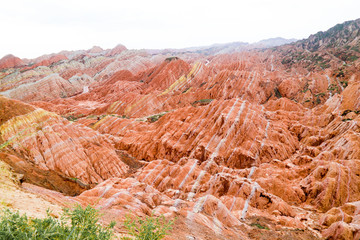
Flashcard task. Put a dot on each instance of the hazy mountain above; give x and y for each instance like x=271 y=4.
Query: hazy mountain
x=338 y=45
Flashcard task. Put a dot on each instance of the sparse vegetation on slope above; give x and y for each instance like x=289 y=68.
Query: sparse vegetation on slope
x=152 y=228
x=81 y=223
x=337 y=45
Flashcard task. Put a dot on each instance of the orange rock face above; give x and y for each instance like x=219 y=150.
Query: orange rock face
x=51 y=143
x=236 y=146
x=49 y=61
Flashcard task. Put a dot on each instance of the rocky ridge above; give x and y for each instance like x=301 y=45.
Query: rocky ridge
x=323 y=50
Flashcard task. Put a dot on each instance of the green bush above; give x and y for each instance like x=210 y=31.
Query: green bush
x=258 y=225
x=155 y=117
x=84 y=224
x=152 y=228
x=81 y=223
x=322 y=94
x=70 y=118
x=202 y=102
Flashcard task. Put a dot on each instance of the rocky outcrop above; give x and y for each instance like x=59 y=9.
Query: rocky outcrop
x=325 y=50
x=116 y=50
x=52 y=87
x=40 y=139
x=10 y=61
x=51 y=60
x=214 y=131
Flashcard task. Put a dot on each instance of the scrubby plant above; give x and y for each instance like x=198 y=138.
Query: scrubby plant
x=70 y=118
x=84 y=224
x=344 y=83
x=333 y=87
x=152 y=228
x=277 y=93
x=202 y=102
x=155 y=117
x=258 y=225
x=5 y=144
x=81 y=223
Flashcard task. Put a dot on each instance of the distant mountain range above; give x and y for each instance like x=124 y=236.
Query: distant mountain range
x=221 y=48
x=338 y=45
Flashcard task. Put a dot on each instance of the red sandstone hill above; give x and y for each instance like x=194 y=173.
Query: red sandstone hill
x=246 y=145
x=10 y=61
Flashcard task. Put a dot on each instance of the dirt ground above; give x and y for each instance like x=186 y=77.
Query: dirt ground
x=17 y=198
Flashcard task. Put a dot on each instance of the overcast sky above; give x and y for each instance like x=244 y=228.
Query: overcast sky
x=30 y=28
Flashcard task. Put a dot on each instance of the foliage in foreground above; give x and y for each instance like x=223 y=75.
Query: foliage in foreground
x=152 y=228
x=81 y=223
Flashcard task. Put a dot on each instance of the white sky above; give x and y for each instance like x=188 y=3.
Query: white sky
x=30 y=28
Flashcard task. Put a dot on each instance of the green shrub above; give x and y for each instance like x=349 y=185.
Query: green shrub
x=352 y=58
x=322 y=94
x=277 y=93
x=81 y=223
x=306 y=87
x=152 y=228
x=333 y=87
x=202 y=102
x=344 y=83
x=318 y=100
x=155 y=117
x=258 y=225
x=356 y=48
x=70 y=118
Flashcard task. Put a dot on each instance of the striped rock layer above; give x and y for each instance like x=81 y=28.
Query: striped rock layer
x=236 y=146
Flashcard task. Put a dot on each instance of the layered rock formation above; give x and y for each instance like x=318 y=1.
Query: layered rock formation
x=249 y=145
x=41 y=140
x=10 y=61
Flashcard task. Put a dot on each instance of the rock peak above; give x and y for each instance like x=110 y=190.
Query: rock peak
x=10 y=61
